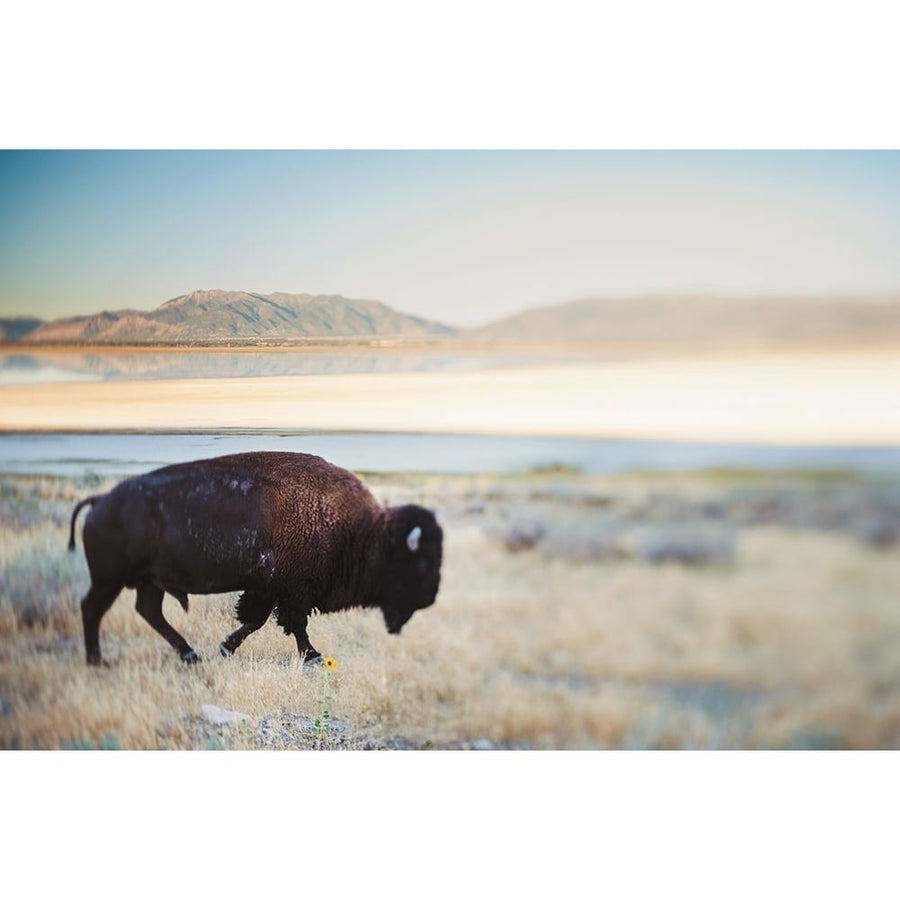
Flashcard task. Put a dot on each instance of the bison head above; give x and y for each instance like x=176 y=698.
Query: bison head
x=411 y=570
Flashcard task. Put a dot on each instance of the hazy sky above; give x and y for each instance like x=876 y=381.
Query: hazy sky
x=462 y=237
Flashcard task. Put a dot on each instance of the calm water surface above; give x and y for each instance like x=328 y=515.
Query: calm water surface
x=59 y=366
x=123 y=454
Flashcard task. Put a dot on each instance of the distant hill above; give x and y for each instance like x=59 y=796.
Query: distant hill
x=237 y=317
x=15 y=329
x=704 y=319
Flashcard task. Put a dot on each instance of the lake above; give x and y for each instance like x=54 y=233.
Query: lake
x=21 y=366
x=113 y=454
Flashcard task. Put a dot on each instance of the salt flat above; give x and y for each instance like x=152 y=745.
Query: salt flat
x=848 y=397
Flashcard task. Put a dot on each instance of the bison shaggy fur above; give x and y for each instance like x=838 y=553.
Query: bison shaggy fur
x=291 y=531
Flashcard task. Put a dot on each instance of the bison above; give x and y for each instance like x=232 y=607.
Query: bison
x=291 y=531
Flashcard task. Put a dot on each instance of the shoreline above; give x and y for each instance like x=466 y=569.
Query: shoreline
x=277 y=431
x=619 y=349
x=788 y=398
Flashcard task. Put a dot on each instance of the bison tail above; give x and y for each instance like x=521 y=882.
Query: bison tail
x=88 y=502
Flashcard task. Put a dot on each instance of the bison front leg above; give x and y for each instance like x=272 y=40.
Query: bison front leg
x=253 y=609
x=308 y=653
x=149 y=605
x=294 y=621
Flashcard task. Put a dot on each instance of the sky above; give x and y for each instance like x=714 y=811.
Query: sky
x=463 y=237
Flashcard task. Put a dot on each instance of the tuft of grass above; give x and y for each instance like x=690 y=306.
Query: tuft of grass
x=554 y=468
x=523 y=535
x=726 y=475
x=40 y=583
x=689 y=543
x=107 y=742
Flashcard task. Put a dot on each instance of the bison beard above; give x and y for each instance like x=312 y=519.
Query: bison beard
x=290 y=531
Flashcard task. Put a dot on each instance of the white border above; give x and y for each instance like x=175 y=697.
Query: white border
x=404 y=74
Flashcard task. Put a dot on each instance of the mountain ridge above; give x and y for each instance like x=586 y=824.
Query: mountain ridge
x=702 y=318
x=223 y=318
x=218 y=316
x=14 y=328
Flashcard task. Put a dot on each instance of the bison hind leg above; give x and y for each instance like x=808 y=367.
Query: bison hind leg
x=93 y=607
x=149 y=606
x=253 y=609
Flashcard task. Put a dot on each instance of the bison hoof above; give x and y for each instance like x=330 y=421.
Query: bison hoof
x=315 y=660
x=190 y=657
x=225 y=650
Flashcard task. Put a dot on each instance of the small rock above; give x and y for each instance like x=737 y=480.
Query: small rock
x=482 y=744
x=218 y=716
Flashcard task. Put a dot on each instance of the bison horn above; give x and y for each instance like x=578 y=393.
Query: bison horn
x=412 y=539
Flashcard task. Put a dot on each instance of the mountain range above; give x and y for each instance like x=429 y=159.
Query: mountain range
x=240 y=317
x=225 y=317
x=690 y=318
x=12 y=330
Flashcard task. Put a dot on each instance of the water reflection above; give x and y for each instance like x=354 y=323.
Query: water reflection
x=16 y=368
x=69 y=365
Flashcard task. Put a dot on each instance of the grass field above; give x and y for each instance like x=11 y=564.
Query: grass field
x=717 y=610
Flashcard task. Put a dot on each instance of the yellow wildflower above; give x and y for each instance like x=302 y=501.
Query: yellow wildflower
x=330 y=663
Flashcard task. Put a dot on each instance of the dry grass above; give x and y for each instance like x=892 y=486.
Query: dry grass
x=792 y=643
